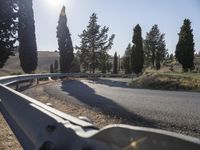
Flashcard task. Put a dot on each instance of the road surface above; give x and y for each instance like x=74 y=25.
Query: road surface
x=170 y=110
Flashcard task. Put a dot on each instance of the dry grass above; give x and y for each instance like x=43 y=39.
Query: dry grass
x=168 y=81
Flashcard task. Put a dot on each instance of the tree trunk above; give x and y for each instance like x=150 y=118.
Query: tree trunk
x=93 y=58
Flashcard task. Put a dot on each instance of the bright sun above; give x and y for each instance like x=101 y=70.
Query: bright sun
x=53 y=3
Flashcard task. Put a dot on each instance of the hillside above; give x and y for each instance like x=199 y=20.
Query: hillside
x=45 y=58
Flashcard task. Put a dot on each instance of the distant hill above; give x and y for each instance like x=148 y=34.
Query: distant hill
x=45 y=58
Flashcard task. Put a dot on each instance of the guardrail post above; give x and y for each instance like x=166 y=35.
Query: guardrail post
x=17 y=85
x=37 y=80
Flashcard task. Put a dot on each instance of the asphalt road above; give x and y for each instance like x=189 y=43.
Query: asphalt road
x=170 y=110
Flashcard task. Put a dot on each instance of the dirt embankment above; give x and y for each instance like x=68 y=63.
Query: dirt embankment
x=168 y=81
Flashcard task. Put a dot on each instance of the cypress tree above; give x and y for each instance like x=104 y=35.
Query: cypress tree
x=56 y=66
x=51 y=68
x=8 y=29
x=27 y=39
x=119 y=63
x=137 y=60
x=185 y=46
x=115 y=66
x=64 y=43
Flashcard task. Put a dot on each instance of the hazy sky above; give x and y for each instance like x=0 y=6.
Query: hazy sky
x=120 y=15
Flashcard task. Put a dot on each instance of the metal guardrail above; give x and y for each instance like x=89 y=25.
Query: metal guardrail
x=40 y=127
x=16 y=78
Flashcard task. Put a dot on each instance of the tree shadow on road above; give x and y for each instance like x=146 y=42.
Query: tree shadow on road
x=111 y=83
x=87 y=96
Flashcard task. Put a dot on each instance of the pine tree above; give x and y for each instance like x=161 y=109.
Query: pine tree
x=185 y=46
x=127 y=59
x=56 y=66
x=115 y=64
x=137 y=61
x=8 y=29
x=104 y=45
x=27 y=39
x=75 y=65
x=64 y=43
x=94 y=46
x=154 y=48
x=162 y=53
x=108 y=66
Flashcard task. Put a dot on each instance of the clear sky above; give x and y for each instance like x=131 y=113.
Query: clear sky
x=120 y=16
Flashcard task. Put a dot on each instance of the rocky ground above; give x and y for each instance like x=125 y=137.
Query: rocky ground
x=8 y=140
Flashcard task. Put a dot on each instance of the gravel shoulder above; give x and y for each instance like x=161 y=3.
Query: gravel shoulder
x=8 y=140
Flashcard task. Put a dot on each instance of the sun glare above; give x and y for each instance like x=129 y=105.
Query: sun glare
x=53 y=3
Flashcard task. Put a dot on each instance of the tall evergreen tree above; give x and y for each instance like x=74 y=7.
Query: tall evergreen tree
x=108 y=66
x=64 y=43
x=27 y=39
x=88 y=45
x=94 y=46
x=56 y=66
x=137 y=60
x=8 y=29
x=119 y=63
x=162 y=53
x=105 y=44
x=185 y=46
x=75 y=65
x=51 y=68
x=154 y=48
x=126 y=60
x=115 y=64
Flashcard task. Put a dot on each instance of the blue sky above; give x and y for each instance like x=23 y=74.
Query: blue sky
x=120 y=15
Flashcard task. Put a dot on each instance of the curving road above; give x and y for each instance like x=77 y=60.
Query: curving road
x=170 y=110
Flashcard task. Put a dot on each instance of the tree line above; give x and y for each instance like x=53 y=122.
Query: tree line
x=149 y=52
x=143 y=53
x=17 y=24
x=152 y=52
